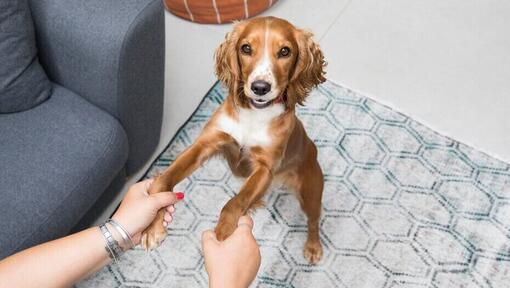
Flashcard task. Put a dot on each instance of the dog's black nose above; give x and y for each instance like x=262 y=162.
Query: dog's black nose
x=260 y=87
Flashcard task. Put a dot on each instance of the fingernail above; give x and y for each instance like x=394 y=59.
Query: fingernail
x=179 y=195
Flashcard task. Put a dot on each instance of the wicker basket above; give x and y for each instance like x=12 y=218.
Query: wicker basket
x=217 y=11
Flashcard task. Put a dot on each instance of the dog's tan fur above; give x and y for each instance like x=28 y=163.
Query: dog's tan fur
x=290 y=157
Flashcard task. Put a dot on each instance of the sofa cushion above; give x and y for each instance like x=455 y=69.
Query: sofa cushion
x=115 y=48
x=23 y=82
x=56 y=160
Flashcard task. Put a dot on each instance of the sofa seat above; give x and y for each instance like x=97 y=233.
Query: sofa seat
x=55 y=161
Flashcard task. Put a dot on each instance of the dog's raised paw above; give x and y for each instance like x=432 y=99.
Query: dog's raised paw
x=224 y=229
x=153 y=236
x=312 y=252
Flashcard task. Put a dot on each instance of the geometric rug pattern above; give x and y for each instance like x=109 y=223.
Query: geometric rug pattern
x=403 y=206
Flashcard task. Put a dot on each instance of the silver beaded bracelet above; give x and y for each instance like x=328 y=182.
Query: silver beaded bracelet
x=112 y=246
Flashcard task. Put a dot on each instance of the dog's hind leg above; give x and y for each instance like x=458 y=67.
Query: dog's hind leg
x=191 y=159
x=311 y=195
x=308 y=183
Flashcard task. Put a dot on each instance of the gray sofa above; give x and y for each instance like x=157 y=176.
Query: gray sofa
x=96 y=122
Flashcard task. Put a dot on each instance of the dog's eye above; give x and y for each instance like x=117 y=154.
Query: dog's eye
x=246 y=49
x=284 y=52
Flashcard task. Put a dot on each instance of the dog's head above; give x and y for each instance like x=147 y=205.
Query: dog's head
x=264 y=57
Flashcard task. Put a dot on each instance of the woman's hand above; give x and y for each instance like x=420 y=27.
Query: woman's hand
x=235 y=261
x=138 y=208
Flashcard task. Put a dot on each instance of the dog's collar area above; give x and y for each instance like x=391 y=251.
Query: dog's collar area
x=282 y=98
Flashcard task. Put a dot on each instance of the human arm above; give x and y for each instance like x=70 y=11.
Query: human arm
x=64 y=261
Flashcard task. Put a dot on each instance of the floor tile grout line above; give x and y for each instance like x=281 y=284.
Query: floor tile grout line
x=335 y=20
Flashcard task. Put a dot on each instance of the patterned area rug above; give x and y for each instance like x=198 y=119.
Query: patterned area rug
x=403 y=207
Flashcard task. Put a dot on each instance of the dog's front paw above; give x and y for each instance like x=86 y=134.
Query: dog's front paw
x=153 y=236
x=225 y=228
x=313 y=251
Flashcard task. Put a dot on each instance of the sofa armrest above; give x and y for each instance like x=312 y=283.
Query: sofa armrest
x=111 y=52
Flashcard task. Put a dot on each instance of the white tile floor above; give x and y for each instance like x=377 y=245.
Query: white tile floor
x=446 y=63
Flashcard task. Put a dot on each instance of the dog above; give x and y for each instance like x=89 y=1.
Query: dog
x=269 y=66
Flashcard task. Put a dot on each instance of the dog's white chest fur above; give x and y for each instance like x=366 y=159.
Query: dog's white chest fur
x=252 y=128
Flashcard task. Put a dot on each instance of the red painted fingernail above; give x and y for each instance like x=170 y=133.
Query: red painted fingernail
x=179 y=195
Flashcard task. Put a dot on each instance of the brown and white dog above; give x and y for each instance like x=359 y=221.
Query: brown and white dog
x=269 y=66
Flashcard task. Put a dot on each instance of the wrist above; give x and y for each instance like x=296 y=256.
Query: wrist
x=127 y=227
x=217 y=283
x=116 y=235
x=223 y=281
x=112 y=246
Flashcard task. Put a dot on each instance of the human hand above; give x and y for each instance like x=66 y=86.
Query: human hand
x=138 y=208
x=232 y=263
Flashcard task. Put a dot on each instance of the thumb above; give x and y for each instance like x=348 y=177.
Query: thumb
x=163 y=199
x=245 y=220
x=245 y=224
x=208 y=237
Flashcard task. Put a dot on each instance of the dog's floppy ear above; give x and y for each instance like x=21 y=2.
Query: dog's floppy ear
x=309 y=68
x=227 y=65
